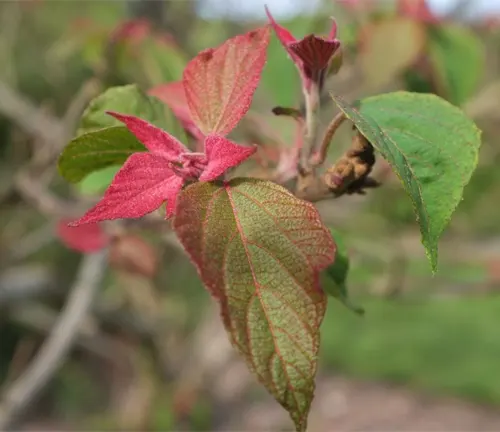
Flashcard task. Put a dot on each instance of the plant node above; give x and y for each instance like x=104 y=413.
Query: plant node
x=350 y=174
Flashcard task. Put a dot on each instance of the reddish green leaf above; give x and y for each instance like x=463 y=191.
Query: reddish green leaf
x=220 y=82
x=259 y=251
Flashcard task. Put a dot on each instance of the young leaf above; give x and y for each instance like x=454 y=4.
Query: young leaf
x=174 y=96
x=258 y=250
x=97 y=150
x=223 y=154
x=430 y=144
x=128 y=99
x=333 y=279
x=458 y=59
x=141 y=186
x=220 y=83
x=97 y=181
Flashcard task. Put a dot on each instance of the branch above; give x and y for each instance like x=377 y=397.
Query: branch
x=58 y=344
x=40 y=197
x=26 y=282
x=26 y=115
x=319 y=157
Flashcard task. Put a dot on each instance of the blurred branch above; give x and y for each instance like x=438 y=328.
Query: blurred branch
x=88 y=90
x=52 y=354
x=42 y=319
x=26 y=115
x=25 y=282
x=30 y=243
x=40 y=197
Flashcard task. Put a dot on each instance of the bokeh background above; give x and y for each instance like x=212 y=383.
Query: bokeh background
x=152 y=354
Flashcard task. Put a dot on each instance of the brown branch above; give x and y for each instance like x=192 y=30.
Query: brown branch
x=52 y=354
x=319 y=157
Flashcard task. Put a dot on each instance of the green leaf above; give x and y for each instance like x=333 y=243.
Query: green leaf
x=432 y=147
x=97 y=150
x=98 y=181
x=458 y=58
x=103 y=141
x=384 y=56
x=333 y=279
x=259 y=250
x=162 y=61
x=128 y=99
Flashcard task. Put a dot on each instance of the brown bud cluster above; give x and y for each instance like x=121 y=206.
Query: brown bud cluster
x=350 y=174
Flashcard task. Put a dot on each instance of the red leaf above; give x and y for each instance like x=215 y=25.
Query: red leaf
x=143 y=183
x=312 y=55
x=156 y=140
x=87 y=239
x=173 y=95
x=223 y=154
x=220 y=83
x=315 y=53
x=284 y=36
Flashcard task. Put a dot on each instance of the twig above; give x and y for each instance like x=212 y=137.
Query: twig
x=31 y=243
x=319 y=157
x=55 y=349
x=41 y=319
x=42 y=199
x=88 y=90
x=26 y=282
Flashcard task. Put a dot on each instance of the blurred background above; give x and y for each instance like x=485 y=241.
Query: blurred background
x=150 y=353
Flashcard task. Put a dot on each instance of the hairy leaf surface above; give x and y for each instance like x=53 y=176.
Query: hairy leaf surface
x=220 y=83
x=259 y=250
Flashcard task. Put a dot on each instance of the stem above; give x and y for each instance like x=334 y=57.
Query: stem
x=319 y=157
x=312 y=98
x=58 y=344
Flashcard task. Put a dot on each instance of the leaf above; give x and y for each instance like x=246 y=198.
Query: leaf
x=383 y=55
x=128 y=99
x=155 y=139
x=141 y=186
x=334 y=277
x=97 y=181
x=458 y=59
x=174 y=96
x=162 y=61
x=223 y=154
x=258 y=250
x=432 y=147
x=220 y=83
x=96 y=150
x=87 y=239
